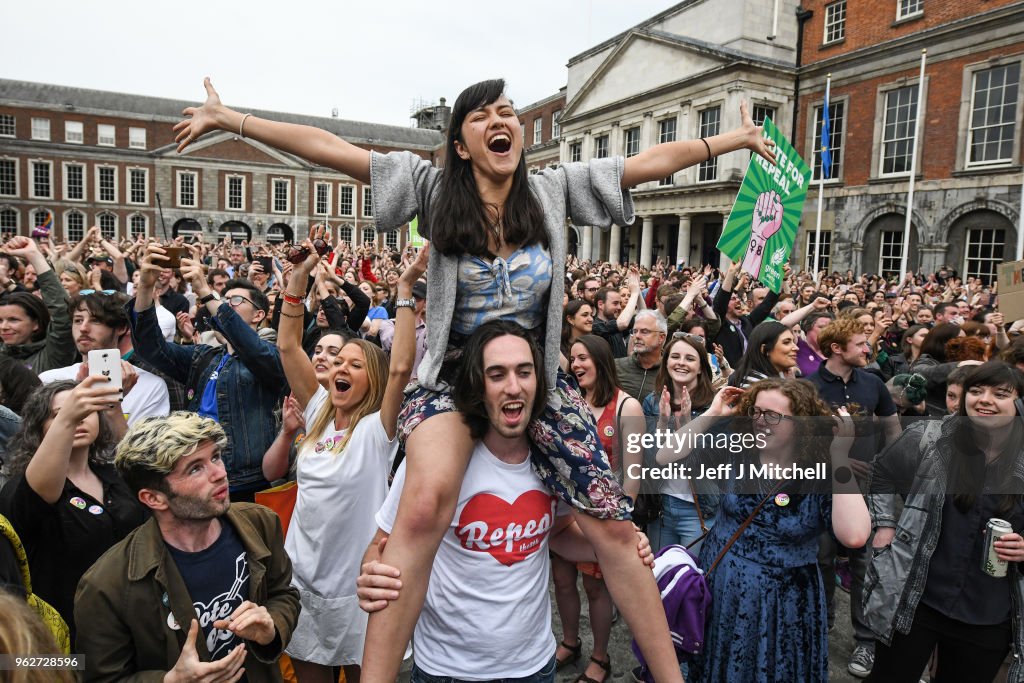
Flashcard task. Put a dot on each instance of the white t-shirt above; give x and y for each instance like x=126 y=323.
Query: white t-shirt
x=487 y=613
x=333 y=519
x=167 y=322
x=331 y=526
x=147 y=398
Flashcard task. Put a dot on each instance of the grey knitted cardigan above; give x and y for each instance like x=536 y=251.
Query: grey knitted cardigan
x=588 y=193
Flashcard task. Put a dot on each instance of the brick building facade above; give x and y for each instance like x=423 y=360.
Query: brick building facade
x=72 y=158
x=968 y=172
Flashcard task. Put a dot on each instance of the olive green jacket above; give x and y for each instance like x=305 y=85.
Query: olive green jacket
x=133 y=610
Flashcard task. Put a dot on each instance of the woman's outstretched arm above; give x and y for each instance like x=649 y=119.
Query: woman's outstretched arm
x=669 y=157
x=312 y=144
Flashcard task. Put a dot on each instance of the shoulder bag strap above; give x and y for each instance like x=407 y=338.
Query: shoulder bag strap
x=743 y=527
x=620 y=401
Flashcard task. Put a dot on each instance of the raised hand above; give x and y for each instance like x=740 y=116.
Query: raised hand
x=755 y=140
x=201 y=119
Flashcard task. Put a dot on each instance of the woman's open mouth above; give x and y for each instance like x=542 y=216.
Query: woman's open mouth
x=500 y=143
x=342 y=386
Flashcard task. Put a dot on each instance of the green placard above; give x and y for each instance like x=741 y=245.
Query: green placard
x=764 y=220
x=415 y=238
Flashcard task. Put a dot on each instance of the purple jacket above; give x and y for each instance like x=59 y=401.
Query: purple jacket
x=687 y=601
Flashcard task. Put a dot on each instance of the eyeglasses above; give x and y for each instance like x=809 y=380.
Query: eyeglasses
x=87 y=292
x=769 y=416
x=642 y=331
x=237 y=300
x=687 y=335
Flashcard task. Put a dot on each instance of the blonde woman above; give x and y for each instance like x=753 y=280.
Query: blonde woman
x=342 y=472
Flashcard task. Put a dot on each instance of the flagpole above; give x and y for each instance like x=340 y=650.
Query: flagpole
x=913 y=171
x=821 y=183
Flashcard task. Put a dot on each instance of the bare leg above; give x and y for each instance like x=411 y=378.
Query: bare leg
x=634 y=590
x=567 y=597
x=308 y=672
x=600 y=607
x=437 y=454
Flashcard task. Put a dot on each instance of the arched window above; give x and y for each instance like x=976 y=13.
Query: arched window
x=236 y=230
x=369 y=235
x=391 y=239
x=345 y=233
x=8 y=222
x=138 y=225
x=42 y=220
x=74 y=226
x=984 y=253
x=108 y=226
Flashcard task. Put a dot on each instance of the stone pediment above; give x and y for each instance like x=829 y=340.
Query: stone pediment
x=226 y=146
x=642 y=62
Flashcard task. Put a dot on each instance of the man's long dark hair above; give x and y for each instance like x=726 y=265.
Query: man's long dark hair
x=458 y=218
x=470 y=383
x=967 y=465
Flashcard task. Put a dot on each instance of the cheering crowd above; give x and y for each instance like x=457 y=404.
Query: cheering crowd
x=441 y=433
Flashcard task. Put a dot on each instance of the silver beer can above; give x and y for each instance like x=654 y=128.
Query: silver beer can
x=990 y=562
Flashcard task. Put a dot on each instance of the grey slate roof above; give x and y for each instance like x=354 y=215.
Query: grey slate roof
x=83 y=100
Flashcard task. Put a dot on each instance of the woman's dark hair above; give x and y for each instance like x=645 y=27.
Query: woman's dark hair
x=606 y=379
x=967 y=464
x=704 y=393
x=470 y=385
x=756 y=358
x=33 y=307
x=905 y=339
x=570 y=311
x=935 y=343
x=16 y=384
x=35 y=413
x=458 y=219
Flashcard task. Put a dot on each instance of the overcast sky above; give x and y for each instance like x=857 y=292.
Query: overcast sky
x=371 y=59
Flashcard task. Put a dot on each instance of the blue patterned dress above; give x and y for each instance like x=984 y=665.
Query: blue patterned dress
x=768 y=621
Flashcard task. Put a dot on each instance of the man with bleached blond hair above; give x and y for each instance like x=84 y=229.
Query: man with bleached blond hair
x=208 y=575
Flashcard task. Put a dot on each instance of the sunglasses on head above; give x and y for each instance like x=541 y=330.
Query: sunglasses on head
x=87 y=292
x=687 y=335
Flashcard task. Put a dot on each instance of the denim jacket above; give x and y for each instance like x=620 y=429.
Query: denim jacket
x=915 y=469
x=249 y=387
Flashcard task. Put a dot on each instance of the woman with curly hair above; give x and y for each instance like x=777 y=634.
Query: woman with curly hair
x=65 y=499
x=768 y=619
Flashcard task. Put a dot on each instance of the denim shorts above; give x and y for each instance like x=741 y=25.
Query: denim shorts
x=546 y=674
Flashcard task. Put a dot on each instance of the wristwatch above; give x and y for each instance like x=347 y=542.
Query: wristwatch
x=212 y=296
x=405 y=303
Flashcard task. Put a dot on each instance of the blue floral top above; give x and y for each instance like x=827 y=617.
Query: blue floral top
x=515 y=289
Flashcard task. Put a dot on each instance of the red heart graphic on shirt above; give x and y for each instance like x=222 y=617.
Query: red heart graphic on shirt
x=509 y=532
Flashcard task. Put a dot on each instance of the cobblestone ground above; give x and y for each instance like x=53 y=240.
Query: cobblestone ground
x=840 y=646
